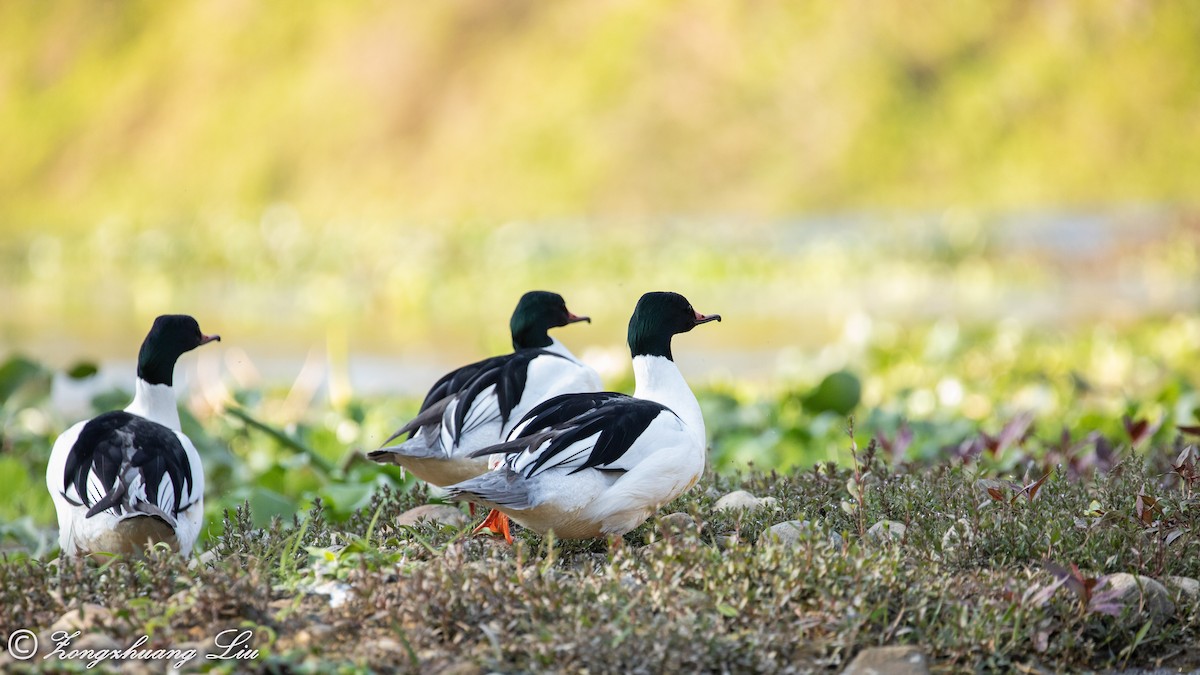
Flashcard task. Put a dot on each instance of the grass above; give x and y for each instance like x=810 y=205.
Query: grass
x=427 y=597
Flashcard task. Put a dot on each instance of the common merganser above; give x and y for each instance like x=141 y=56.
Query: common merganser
x=476 y=405
x=599 y=464
x=126 y=479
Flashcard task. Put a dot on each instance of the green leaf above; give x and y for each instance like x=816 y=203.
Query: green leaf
x=284 y=439
x=266 y=503
x=346 y=497
x=82 y=370
x=23 y=380
x=838 y=393
x=727 y=610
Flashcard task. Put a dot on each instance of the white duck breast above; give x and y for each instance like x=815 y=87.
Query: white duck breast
x=478 y=404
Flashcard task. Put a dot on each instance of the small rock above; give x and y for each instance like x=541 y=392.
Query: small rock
x=959 y=535
x=82 y=618
x=740 y=499
x=678 y=524
x=1144 y=592
x=1189 y=587
x=94 y=642
x=182 y=598
x=204 y=559
x=792 y=532
x=320 y=631
x=312 y=634
x=887 y=532
x=462 y=668
x=197 y=661
x=788 y=532
x=728 y=541
x=338 y=592
x=384 y=645
x=45 y=643
x=888 y=661
x=588 y=563
x=442 y=514
x=281 y=604
x=630 y=582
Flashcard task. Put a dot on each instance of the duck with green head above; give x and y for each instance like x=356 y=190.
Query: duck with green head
x=131 y=478
x=599 y=464
x=476 y=405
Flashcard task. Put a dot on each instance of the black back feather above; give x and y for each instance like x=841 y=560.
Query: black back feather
x=452 y=382
x=110 y=441
x=508 y=372
x=615 y=419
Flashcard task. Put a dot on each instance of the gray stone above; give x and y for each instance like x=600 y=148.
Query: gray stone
x=792 y=532
x=788 y=533
x=313 y=634
x=198 y=661
x=204 y=559
x=462 y=668
x=45 y=642
x=182 y=598
x=887 y=532
x=383 y=645
x=93 y=642
x=678 y=524
x=740 y=499
x=728 y=541
x=83 y=618
x=888 y=661
x=441 y=514
x=1187 y=586
x=958 y=535
x=1142 y=593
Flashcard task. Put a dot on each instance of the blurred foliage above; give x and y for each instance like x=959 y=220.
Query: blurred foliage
x=282 y=285
x=370 y=176
x=1005 y=399
x=518 y=109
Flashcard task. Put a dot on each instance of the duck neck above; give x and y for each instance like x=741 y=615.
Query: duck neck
x=532 y=338
x=658 y=379
x=559 y=348
x=155 y=402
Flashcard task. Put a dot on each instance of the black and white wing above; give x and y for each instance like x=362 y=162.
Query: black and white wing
x=602 y=430
x=475 y=395
x=127 y=465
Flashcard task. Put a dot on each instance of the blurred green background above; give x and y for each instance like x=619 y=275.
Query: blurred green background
x=975 y=208
x=405 y=170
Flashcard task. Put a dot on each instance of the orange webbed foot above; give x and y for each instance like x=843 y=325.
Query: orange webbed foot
x=495 y=523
